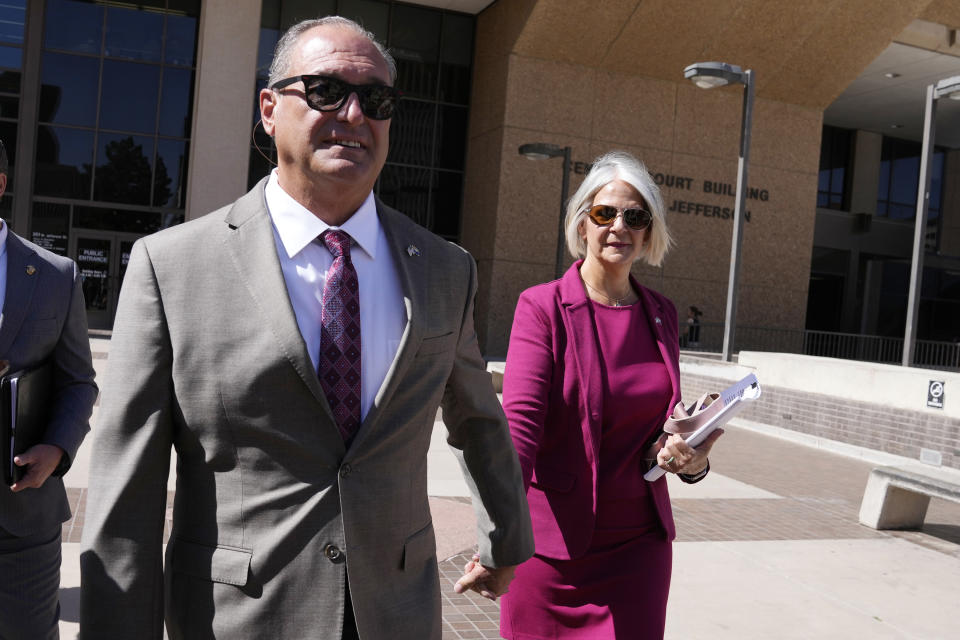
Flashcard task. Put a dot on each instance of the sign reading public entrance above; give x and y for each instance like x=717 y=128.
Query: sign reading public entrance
x=935 y=395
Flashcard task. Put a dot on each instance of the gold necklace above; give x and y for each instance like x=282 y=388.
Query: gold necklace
x=616 y=302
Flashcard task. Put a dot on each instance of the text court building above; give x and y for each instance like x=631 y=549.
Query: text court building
x=124 y=118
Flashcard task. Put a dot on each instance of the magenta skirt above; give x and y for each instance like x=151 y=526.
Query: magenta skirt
x=618 y=589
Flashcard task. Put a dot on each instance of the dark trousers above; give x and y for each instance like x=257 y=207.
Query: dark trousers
x=30 y=586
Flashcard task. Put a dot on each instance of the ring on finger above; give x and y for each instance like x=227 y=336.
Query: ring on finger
x=670 y=460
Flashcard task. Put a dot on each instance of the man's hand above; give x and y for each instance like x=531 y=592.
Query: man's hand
x=487 y=581
x=40 y=460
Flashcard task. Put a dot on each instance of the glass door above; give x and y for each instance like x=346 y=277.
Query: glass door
x=102 y=261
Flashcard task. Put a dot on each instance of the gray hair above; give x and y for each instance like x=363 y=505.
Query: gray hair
x=286 y=43
x=619 y=165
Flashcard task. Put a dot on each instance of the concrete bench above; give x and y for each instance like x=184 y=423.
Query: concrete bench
x=897 y=498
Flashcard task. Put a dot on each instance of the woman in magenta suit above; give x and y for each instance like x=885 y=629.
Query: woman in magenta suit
x=592 y=374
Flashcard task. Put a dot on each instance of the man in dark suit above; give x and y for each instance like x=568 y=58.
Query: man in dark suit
x=44 y=319
x=294 y=348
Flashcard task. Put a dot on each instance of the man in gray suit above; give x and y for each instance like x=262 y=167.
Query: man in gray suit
x=44 y=319
x=301 y=505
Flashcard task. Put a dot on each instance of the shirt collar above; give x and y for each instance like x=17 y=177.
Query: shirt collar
x=298 y=227
x=3 y=237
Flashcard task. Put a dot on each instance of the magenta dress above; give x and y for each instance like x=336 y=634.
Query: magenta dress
x=599 y=595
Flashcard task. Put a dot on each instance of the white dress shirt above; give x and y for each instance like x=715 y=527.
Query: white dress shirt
x=3 y=266
x=305 y=261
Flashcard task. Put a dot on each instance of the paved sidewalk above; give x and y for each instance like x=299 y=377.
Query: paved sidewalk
x=768 y=547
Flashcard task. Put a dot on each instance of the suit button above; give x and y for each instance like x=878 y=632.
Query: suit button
x=345 y=470
x=332 y=552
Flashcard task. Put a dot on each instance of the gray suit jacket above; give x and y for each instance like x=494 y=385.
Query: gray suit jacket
x=271 y=511
x=44 y=317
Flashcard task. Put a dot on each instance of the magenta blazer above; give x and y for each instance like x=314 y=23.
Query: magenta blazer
x=553 y=398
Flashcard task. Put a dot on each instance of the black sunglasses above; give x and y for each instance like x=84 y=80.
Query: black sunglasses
x=634 y=217
x=323 y=93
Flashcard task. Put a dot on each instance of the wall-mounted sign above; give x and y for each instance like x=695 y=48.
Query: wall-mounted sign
x=935 y=394
x=687 y=183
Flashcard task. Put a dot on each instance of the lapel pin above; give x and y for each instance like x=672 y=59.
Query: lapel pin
x=31 y=269
x=412 y=250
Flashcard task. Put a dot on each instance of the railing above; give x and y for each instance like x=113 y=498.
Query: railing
x=850 y=346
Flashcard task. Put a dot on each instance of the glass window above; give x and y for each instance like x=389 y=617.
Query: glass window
x=124 y=169
x=415 y=43
x=270 y=15
x=904 y=175
x=129 y=96
x=133 y=34
x=413 y=126
x=373 y=15
x=10 y=81
x=11 y=57
x=68 y=90
x=73 y=26
x=9 y=107
x=293 y=11
x=407 y=189
x=447 y=198
x=181 y=45
x=64 y=159
x=8 y=134
x=456 y=58
x=900 y=180
x=170 y=177
x=835 y=149
x=107 y=219
x=13 y=16
x=50 y=226
x=189 y=8
x=268 y=42
x=452 y=137
x=176 y=102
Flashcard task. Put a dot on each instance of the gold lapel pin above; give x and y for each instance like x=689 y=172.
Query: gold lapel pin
x=412 y=250
x=31 y=269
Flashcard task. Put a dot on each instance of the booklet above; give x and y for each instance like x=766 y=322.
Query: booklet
x=24 y=412
x=734 y=398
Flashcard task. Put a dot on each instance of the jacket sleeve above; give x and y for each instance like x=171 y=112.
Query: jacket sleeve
x=76 y=391
x=527 y=381
x=479 y=436
x=120 y=563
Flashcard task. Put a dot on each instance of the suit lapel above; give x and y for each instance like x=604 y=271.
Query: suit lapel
x=412 y=273
x=20 y=288
x=578 y=316
x=249 y=241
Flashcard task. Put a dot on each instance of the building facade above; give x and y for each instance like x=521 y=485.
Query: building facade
x=124 y=118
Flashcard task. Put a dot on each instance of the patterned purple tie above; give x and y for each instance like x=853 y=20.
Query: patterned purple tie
x=339 y=369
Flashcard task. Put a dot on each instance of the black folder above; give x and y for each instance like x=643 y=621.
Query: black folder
x=25 y=402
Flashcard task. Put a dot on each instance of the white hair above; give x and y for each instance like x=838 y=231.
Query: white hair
x=619 y=165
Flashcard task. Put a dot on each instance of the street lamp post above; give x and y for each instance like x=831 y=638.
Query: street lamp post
x=948 y=87
x=708 y=75
x=542 y=151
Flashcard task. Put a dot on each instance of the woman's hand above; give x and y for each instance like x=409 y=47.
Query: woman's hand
x=676 y=456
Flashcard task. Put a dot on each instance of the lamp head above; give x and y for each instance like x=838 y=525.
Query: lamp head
x=540 y=150
x=948 y=88
x=708 y=75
